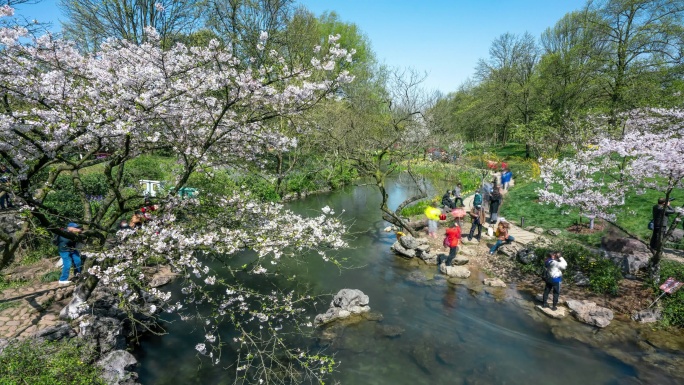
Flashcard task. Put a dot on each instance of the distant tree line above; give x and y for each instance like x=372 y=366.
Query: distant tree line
x=609 y=57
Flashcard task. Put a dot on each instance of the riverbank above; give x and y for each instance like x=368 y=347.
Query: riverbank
x=660 y=349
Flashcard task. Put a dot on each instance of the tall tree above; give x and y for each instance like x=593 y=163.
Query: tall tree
x=639 y=36
x=567 y=85
x=506 y=78
x=379 y=125
x=196 y=103
x=91 y=22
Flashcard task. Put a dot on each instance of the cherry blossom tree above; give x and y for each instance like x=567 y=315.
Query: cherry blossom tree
x=210 y=108
x=597 y=179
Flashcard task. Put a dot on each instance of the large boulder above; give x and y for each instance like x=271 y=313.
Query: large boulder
x=117 y=367
x=408 y=242
x=56 y=332
x=510 y=250
x=629 y=263
x=676 y=236
x=581 y=279
x=590 y=313
x=554 y=232
x=557 y=314
x=454 y=271
x=623 y=245
x=107 y=332
x=401 y=250
x=345 y=303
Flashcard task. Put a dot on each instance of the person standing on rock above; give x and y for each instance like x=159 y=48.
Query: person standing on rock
x=661 y=212
x=453 y=238
x=502 y=236
x=68 y=250
x=553 y=264
x=432 y=213
x=477 y=215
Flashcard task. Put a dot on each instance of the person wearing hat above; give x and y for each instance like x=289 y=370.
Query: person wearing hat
x=69 y=252
x=477 y=215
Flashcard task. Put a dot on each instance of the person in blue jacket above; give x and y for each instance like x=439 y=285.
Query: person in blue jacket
x=68 y=250
x=506 y=178
x=553 y=264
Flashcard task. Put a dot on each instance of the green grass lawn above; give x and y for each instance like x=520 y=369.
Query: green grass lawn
x=521 y=201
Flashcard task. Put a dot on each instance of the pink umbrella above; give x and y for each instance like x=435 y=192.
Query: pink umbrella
x=458 y=213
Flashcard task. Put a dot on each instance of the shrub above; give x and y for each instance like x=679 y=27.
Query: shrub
x=261 y=188
x=415 y=209
x=673 y=305
x=604 y=276
x=51 y=276
x=342 y=176
x=48 y=363
x=145 y=167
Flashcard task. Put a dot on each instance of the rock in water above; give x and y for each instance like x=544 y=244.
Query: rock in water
x=494 y=282
x=455 y=271
x=345 y=303
x=408 y=242
x=557 y=314
x=399 y=249
x=590 y=313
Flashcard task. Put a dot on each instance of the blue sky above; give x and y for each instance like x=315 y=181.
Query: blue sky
x=444 y=38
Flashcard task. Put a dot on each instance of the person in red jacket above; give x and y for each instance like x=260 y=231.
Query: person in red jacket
x=453 y=236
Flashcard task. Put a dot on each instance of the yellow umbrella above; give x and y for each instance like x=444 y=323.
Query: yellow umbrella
x=433 y=213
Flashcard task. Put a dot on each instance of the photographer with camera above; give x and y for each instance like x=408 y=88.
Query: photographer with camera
x=553 y=277
x=661 y=212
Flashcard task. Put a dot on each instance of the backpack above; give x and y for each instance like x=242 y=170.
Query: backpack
x=545 y=275
x=446 y=242
x=55 y=240
x=477 y=200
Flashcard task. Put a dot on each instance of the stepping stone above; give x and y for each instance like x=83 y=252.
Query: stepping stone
x=494 y=282
x=559 y=313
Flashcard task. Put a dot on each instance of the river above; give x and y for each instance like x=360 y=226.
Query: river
x=450 y=334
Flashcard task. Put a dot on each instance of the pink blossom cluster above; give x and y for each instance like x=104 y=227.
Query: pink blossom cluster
x=647 y=156
x=203 y=102
x=268 y=229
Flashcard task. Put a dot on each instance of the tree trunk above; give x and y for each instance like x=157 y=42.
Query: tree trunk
x=77 y=306
x=389 y=215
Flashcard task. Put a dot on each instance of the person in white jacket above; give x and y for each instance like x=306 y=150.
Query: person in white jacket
x=554 y=265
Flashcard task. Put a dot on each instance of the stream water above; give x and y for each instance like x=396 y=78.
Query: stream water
x=449 y=334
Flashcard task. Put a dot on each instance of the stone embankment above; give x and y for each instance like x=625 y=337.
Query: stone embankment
x=33 y=312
